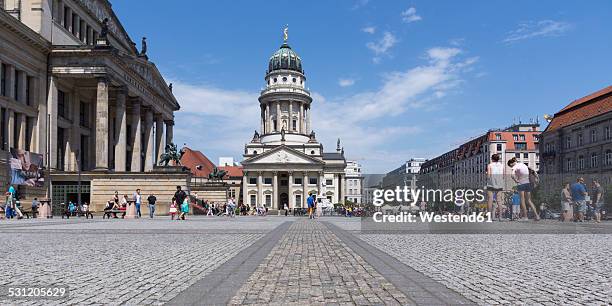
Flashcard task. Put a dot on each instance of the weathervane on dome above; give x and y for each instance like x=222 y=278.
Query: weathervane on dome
x=286 y=33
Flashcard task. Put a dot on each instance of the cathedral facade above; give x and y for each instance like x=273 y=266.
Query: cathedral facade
x=284 y=161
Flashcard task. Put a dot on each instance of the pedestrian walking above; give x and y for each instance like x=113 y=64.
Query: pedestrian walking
x=566 y=203
x=311 y=204
x=521 y=175
x=151 y=199
x=137 y=202
x=184 y=209
x=495 y=184
x=579 y=194
x=35 y=205
x=597 y=196
x=172 y=209
x=179 y=195
x=286 y=209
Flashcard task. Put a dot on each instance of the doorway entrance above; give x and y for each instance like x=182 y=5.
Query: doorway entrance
x=283 y=199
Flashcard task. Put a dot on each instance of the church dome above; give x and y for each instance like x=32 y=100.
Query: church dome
x=285 y=59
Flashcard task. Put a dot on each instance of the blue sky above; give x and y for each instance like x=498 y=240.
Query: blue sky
x=392 y=79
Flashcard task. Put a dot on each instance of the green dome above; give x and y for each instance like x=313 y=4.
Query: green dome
x=285 y=58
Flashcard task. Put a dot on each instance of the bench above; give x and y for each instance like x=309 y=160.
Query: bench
x=113 y=212
x=77 y=213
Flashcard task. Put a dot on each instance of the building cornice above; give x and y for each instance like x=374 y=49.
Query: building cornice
x=23 y=31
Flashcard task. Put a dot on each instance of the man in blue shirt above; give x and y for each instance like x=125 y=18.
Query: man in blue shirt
x=311 y=204
x=579 y=193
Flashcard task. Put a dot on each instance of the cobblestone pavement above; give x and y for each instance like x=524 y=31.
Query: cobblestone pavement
x=119 y=261
x=510 y=269
x=311 y=265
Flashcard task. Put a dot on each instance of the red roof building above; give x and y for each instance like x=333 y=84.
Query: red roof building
x=197 y=162
x=578 y=141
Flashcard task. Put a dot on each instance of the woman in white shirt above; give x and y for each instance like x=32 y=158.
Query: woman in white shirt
x=495 y=184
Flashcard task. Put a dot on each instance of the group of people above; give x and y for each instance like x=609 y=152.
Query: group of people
x=122 y=204
x=11 y=209
x=526 y=180
x=576 y=198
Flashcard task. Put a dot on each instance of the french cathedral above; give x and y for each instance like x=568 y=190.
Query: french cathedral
x=284 y=161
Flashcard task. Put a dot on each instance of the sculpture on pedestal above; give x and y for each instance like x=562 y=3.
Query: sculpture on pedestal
x=217 y=175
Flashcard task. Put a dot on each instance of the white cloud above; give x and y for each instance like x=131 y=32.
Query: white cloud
x=369 y=30
x=382 y=46
x=533 y=29
x=410 y=15
x=346 y=82
x=359 y=4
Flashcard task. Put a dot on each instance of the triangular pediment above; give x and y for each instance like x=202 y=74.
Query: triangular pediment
x=283 y=155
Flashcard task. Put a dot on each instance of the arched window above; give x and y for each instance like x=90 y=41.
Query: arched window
x=254 y=152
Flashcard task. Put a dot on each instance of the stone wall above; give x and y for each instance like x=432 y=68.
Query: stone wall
x=162 y=186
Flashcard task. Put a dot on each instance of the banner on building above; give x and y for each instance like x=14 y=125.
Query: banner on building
x=26 y=168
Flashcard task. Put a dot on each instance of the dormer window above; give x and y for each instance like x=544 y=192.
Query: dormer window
x=284 y=79
x=275 y=80
x=294 y=80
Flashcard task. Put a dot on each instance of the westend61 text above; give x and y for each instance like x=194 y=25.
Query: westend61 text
x=406 y=217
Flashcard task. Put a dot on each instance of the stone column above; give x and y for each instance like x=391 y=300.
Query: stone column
x=75 y=134
x=245 y=196
x=68 y=19
x=10 y=81
x=22 y=88
x=341 y=187
x=169 y=131
x=259 y=189
x=268 y=119
x=301 y=119
x=77 y=26
x=262 y=114
x=275 y=191
x=150 y=150
x=121 y=132
x=291 y=203
x=102 y=125
x=290 y=121
x=305 y=190
x=53 y=108
x=321 y=184
x=136 y=165
x=10 y=131
x=308 y=127
x=337 y=187
x=278 y=116
x=21 y=134
x=159 y=137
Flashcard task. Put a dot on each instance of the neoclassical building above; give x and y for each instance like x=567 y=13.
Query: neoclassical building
x=75 y=88
x=284 y=161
